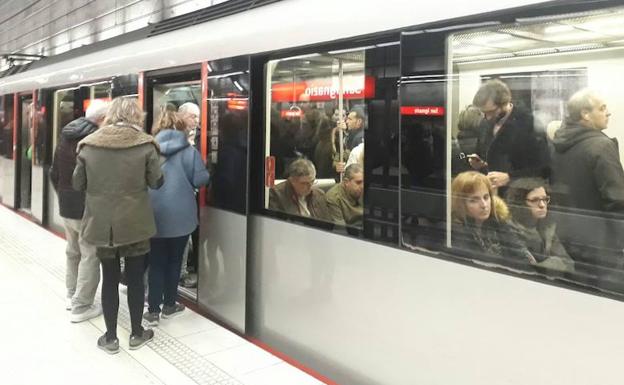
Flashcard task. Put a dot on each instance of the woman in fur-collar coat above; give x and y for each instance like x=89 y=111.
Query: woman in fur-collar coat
x=115 y=166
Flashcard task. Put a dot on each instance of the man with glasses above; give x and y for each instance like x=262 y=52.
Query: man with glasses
x=296 y=195
x=508 y=146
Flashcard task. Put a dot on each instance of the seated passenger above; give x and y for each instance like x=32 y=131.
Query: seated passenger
x=345 y=199
x=528 y=199
x=481 y=222
x=296 y=195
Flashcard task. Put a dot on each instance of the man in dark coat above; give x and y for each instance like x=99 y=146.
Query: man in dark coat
x=83 y=267
x=508 y=146
x=589 y=181
x=297 y=196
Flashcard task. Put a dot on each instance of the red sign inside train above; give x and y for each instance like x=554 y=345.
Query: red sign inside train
x=269 y=171
x=324 y=89
x=291 y=113
x=422 y=110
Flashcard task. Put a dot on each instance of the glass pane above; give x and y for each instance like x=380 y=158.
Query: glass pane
x=26 y=152
x=538 y=184
x=6 y=125
x=228 y=123
x=317 y=118
x=322 y=108
x=174 y=95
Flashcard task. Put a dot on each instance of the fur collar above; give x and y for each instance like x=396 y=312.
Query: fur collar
x=117 y=137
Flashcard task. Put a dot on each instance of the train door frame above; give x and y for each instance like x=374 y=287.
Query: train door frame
x=188 y=74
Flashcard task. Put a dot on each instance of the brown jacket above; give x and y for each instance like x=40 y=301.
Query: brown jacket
x=115 y=165
x=343 y=208
x=283 y=198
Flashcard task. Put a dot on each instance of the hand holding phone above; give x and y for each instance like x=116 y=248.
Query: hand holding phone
x=476 y=162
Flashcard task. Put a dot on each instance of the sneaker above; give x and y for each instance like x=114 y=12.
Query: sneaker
x=172 y=311
x=110 y=347
x=151 y=318
x=68 y=303
x=91 y=312
x=136 y=342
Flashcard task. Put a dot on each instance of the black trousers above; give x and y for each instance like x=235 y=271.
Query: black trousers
x=111 y=274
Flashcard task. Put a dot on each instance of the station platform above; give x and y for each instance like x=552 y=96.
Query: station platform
x=41 y=346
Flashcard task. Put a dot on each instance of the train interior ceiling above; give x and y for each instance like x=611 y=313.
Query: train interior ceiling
x=400 y=98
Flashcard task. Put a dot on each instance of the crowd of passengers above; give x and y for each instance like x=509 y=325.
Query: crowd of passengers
x=509 y=175
x=125 y=194
x=308 y=147
x=512 y=174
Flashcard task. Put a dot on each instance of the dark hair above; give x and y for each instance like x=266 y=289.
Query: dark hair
x=359 y=113
x=516 y=197
x=494 y=90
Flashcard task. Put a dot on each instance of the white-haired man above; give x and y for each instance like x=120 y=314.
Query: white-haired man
x=189 y=112
x=83 y=267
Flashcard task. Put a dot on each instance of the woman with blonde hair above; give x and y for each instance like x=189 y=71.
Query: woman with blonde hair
x=115 y=165
x=481 y=222
x=175 y=211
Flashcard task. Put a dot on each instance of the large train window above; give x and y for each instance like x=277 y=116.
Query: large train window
x=228 y=124
x=6 y=126
x=533 y=167
x=321 y=110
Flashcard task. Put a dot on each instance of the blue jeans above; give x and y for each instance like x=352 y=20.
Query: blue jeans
x=165 y=262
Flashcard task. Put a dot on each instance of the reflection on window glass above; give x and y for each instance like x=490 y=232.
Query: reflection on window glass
x=537 y=179
x=228 y=122
x=41 y=127
x=315 y=136
x=185 y=98
x=6 y=126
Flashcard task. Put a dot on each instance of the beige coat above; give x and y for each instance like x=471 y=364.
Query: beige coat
x=115 y=166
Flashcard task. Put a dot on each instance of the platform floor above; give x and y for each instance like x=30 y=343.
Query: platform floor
x=40 y=345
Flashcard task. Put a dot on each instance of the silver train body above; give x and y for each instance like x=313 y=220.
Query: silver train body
x=356 y=311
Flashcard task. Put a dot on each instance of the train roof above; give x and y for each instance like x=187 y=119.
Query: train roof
x=278 y=25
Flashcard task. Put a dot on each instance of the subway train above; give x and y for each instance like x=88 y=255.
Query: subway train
x=393 y=297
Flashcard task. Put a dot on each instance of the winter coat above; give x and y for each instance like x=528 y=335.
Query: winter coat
x=516 y=149
x=174 y=204
x=115 y=166
x=495 y=242
x=283 y=198
x=71 y=202
x=588 y=182
x=544 y=245
x=586 y=169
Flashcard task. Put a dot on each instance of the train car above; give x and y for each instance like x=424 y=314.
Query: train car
x=399 y=290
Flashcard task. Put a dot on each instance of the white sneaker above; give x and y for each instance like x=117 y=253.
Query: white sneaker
x=68 y=303
x=91 y=312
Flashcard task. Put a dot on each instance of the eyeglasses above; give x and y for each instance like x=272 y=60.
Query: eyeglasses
x=536 y=201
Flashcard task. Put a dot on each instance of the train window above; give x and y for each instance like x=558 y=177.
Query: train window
x=175 y=95
x=41 y=130
x=322 y=109
x=6 y=125
x=535 y=178
x=228 y=124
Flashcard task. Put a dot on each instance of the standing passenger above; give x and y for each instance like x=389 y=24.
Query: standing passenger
x=508 y=146
x=588 y=175
x=115 y=166
x=82 y=275
x=175 y=211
